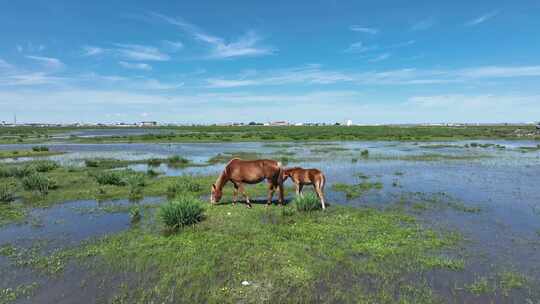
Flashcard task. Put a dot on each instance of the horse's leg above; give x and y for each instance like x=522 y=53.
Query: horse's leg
x=235 y=194
x=281 y=194
x=300 y=188
x=241 y=188
x=297 y=189
x=271 y=190
x=320 y=194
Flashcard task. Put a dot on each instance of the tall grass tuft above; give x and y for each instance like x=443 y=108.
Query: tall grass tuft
x=183 y=185
x=135 y=214
x=38 y=182
x=307 y=202
x=177 y=160
x=44 y=165
x=115 y=178
x=181 y=212
x=365 y=153
x=40 y=149
x=7 y=193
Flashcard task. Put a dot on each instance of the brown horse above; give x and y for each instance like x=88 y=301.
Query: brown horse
x=301 y=177
x=240 y=172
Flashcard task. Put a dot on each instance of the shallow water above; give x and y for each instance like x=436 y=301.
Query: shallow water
x=503 y=182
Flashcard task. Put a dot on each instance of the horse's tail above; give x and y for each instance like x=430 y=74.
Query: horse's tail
x=280 y=170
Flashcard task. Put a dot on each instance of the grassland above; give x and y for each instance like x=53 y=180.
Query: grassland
x=291 y=133
x=26 y=153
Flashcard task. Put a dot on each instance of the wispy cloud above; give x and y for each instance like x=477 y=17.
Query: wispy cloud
x=381 y=57
x=135 y=66
x=4 y=65
x=315 y=75
x=141 y=52
x=245 y=46
x=92 y=50
x=360 y=47
x=424 y=24
x=49 y=62
x=29 y=79
x=367 y=30
x=482 y=19
x=173 y=46
x=401 y=44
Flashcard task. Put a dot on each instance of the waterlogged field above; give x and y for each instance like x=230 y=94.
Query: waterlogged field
x=409 y=222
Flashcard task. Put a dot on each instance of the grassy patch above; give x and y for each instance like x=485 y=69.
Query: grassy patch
x=182 y=211
x=27 y=153
x=271 y=256
x=225 y=157
x=356 y=190
x=307 y=202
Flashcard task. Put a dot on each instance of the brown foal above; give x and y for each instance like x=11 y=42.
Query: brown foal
x=240 y=172
x=301 y=177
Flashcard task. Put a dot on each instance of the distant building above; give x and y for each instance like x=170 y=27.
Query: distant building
x=279 y=123
x=148 y=123
x=348 y=123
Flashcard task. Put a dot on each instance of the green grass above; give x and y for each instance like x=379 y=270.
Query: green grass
x=182 y=211
x=284 y=257
x=225 y=157
x=356 y=190
x=39 y=182
x=7 y=193
x=26 y=153
x=307 y=202
x=318 y=133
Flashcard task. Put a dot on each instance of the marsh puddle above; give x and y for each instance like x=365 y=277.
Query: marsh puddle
x=498 y=177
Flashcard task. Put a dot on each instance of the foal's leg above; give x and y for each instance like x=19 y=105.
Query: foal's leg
x=271 y=190
x=241 y=188
x=281 y=194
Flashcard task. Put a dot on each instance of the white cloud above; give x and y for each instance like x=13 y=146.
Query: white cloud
x=4 y=65
x=224 y=107
x=315 y=75
x=424 y=24
x=135 y=66
x=245 y=46
x=92 y=50
x=360 y=47
x=29 y=79
x=381 y=57
x=481 y=19
x=500 y=72
x=49 y=62
x=141 y=52
x=367 y=30
x=173 y=46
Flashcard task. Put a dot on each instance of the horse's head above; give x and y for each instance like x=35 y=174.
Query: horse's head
x=286 y=173
x=215 y=195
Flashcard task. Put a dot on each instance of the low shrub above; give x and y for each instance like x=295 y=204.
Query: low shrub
x=364 y=153
x=135 y=214
x=152 y=173
x=177 y=160
x=91 y=163
x=115 y=178
x=154 y=162
x=38 y=182
x=307 y=202
x=181 y=212
x=7 y=193
x=183 y=184
x=44 y=165
x=40 y=149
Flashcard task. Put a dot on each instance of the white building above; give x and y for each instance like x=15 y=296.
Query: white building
x=348 y=123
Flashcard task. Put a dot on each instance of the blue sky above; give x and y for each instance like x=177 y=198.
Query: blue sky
x=223 y=61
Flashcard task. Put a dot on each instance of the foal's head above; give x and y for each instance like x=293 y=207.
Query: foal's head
x=215 y=195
